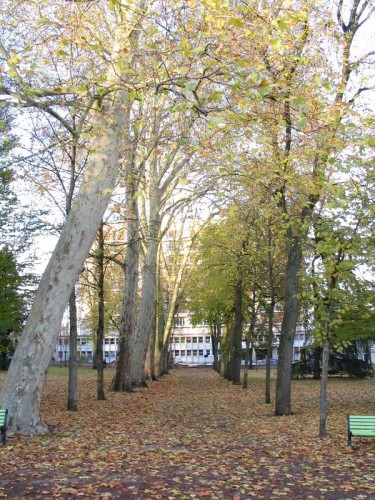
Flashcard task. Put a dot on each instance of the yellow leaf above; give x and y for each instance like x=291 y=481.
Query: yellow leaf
x=14 y=60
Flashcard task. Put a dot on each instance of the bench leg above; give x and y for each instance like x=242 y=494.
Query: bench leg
x=350 y=439
x=2 y=434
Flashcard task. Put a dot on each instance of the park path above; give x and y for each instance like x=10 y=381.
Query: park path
x=190 y=435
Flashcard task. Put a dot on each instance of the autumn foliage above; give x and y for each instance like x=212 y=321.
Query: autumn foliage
x=191 y=435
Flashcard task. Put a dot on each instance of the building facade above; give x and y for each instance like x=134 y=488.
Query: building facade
x=85 y=349
x=190 y=344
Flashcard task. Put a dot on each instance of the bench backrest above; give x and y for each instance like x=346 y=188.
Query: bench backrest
x=3 y=416
x=363 y=425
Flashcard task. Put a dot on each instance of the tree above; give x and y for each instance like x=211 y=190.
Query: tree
x=154 y=197
x=36 y=345
x=305 y=131
x=175 y=263
x=16 y=230
x=12 y=305
x=56 y=168
x=339 y=249
x=222 y=284
x=100 y=329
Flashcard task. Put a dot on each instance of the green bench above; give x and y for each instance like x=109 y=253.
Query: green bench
x=360 y=425
x=3 y=425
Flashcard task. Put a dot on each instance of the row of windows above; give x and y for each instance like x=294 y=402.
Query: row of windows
x=180 y=321
x=276 y=337
x=189 y=340
x=189 y=352
x=110 y=340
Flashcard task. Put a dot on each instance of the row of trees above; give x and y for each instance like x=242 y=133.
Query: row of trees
x=148 y=109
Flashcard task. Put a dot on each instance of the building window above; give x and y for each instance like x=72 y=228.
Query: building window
x=200 y=352
x=208 y=352
x=208 y=340
x=176 y=340
x=188 y=352
x=200 y=340
x=183 y=352
x=106 y=341
x=182 y=340
x=195 y=352
x=179 y=321
x=188 y=340
x=195 y=340
x=177 y=352
x=113 y=341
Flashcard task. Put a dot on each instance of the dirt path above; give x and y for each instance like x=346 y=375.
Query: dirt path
x=191 y=435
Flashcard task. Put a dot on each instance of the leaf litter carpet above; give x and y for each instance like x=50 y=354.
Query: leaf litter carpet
x=192 y=435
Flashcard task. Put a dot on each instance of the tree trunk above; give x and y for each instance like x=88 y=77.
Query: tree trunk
x=172 y=308
x=245 y=381
x=316 y=368
x=146 y=311
x=157 y=368
x=235 y=353
x=164 y=361
x=323 y=390
x=159 y=354
x=271 y=312
x=122 y=380
x=22 y=389
x=224 y=347
x=329 y=301
x=250 y=340
x=150 y=356
x=215 y=339
x=73 y=328
x=288 y=328
x=73 y=334
x=100 y=329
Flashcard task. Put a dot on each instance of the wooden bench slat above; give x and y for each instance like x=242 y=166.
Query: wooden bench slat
x=365 y=425
x=361 y=418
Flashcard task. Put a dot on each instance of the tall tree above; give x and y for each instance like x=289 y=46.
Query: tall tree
x=100 y=329
x=22 y=389
x=311 y=118
x=12 y=304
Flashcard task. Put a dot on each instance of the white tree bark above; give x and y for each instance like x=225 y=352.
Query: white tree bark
x=147 y=305
x=122 y=380
x=22 y=390
x=162 y=351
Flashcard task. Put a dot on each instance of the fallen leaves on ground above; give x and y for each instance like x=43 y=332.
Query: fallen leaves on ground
x=192 y=435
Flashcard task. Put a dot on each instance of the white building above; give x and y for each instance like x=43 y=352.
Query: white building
x=190 y=344
x=85 y=350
